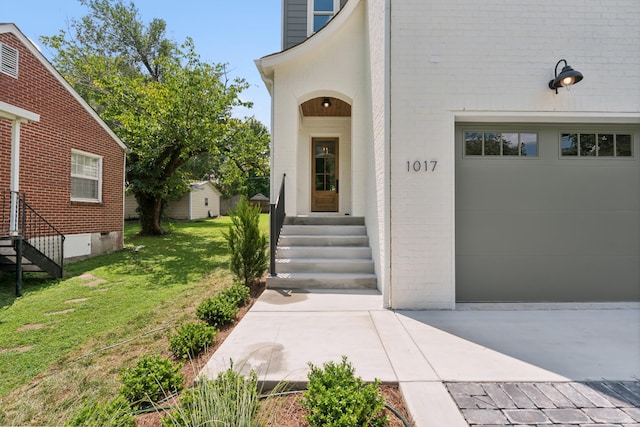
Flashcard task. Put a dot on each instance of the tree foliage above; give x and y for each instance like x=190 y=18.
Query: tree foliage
x=241 y=165
x=161 y=99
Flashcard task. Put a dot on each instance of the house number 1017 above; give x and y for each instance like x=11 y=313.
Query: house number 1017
x=426 y=166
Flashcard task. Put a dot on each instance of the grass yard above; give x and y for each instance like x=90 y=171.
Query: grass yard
x=66 y=341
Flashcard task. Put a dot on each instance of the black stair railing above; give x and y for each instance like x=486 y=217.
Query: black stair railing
x=276 y=218
x=31 y=227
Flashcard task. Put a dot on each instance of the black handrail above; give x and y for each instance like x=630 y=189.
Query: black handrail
x=276 y=217
x=32 y=227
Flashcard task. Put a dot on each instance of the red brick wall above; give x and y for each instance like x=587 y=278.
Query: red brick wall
x=45 y=152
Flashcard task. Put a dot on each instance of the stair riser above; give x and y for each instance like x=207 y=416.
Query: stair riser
x=334 y=252
x=324 y=230
x=324 y=241
x=324 y=267
x=329 y=220
x=320 y=283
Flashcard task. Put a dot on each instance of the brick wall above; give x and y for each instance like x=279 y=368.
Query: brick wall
x=45 y=154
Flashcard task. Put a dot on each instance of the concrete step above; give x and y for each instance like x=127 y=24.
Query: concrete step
x=321 y=281
x=324 y=230
x=344 y=252
x=315 y=240
x=324 y=265
x=324 y=220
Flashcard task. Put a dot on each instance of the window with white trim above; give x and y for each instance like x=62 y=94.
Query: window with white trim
x=596 y=144
x=320 y=13
x=86 y=177
x=505 y=144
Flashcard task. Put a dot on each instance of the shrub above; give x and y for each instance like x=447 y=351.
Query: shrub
x=230 y=400
x=116 y=412
x=247 y=245
x=217 y=311
x=336 y=398
x=153 y=378
x=238 y=294
x=191 y=339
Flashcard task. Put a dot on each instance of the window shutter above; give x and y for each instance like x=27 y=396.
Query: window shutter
x=8 y=60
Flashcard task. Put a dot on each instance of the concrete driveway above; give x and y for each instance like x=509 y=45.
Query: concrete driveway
x=426 y=352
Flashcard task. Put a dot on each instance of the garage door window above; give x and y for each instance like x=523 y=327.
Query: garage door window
x=505 y=144
x=595 y=145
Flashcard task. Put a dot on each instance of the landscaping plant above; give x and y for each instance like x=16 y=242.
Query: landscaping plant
x=115 y=413
x=337 y=398
x=217 y=311
x=247 y=245
x=229 y=400
x=191 y=339
x=152 y=379
x=237 y=294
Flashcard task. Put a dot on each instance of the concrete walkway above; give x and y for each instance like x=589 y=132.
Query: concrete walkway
x=430 y=353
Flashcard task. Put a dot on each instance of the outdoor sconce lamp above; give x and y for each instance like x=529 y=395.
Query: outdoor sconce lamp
x=567 y=77
x=326 y=103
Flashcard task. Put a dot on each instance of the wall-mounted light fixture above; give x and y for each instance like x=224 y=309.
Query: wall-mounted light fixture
x=567 y=77
x=326 y=103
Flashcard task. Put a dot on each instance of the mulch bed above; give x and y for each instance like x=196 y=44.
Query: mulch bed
x=290 y=412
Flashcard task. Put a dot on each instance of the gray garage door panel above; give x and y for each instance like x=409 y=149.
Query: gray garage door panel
x=547 y=228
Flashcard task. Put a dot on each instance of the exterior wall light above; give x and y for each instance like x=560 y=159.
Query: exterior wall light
x=326 y=103
x=567 y=77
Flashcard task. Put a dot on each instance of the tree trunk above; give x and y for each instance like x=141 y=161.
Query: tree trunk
x=150 y=209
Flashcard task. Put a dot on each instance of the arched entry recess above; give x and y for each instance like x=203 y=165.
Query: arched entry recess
x=326 y=154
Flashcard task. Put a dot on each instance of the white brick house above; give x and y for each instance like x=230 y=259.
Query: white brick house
x=476 y=181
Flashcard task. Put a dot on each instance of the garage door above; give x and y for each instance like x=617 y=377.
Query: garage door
x=547 y=212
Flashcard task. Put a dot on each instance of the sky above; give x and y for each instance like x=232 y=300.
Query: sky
x=235 y=32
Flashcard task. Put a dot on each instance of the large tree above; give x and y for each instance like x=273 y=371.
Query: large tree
x=166 y=104
x=240 y=163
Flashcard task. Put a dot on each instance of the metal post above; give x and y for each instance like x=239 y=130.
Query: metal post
x=18 y=248
x=272 y=239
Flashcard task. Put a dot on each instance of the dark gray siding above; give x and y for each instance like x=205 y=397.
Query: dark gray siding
x=548 y=228
x=294 y=21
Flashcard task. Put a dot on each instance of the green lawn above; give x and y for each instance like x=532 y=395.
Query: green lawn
x=110 y=299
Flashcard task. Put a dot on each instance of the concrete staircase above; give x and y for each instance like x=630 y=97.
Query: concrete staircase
x=323 y=252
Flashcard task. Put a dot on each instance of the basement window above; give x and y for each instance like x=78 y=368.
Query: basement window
x=86 y=177
x=8 y=60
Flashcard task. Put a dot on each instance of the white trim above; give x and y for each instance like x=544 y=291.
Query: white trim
x=311 y=13
x=99 y=178
x=267 y=63
x=11 y=28
x=545 y=117
x=11 y=112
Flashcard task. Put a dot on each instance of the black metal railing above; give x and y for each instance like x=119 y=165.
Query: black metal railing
x=31 y=227
x=276 y=218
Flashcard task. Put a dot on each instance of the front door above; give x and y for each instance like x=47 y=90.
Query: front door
x=324 y=191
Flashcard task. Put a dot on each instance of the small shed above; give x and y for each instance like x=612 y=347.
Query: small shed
x=262 y=201
x=202 y=201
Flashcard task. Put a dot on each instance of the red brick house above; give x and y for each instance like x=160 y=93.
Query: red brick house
x=58 y=156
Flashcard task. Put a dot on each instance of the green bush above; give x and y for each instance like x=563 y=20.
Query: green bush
x=152 y=379
x=116 y=413
x=217 y=311
x=238 y=294
x=336 y=398
x=247 y=245
x=191 y=339
x=230 y=400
